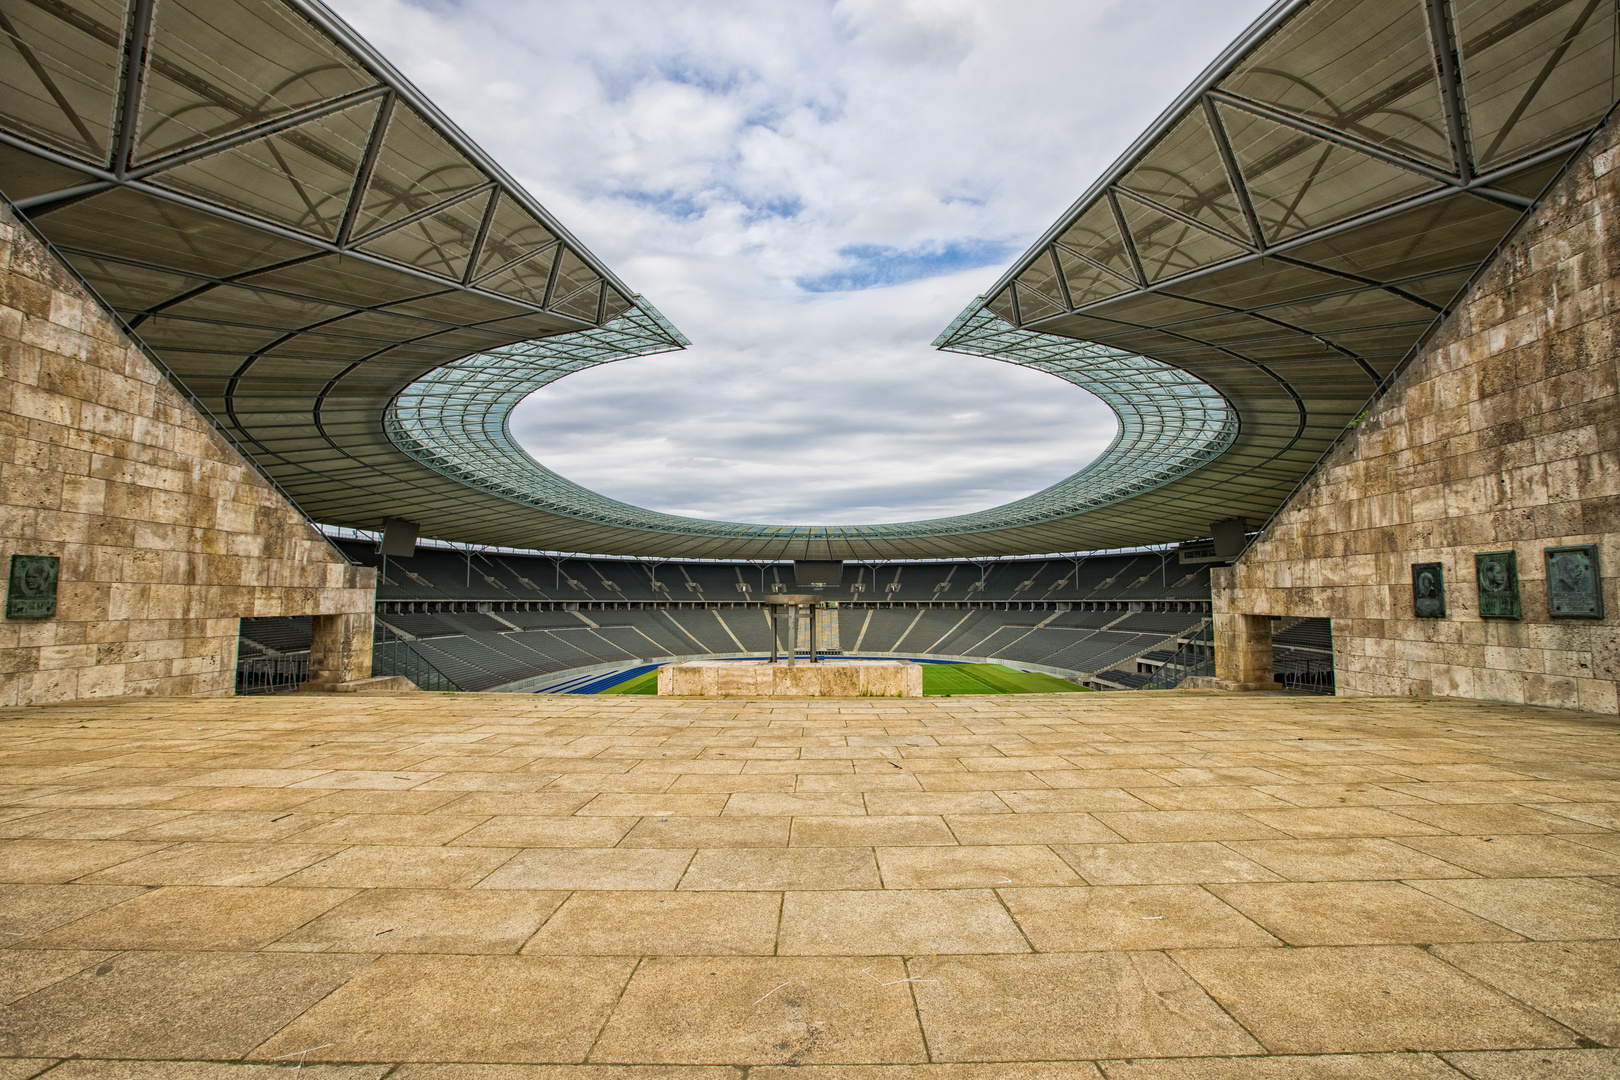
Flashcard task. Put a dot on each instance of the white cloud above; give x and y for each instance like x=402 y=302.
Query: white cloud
x=810 y=191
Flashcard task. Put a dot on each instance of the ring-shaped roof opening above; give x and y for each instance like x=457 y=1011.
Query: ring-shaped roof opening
x=455 y=420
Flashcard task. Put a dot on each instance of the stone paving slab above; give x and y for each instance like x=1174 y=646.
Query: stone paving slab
x=1109 y=887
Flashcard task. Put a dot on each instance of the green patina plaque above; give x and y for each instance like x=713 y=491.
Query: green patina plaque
x=1497 y=574
x=1574 y=587
x=1429 y=590
x=31 y=592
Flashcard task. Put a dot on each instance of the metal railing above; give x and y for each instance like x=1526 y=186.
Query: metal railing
x=393 y=655
x=1195 y=657
x=271 y=674
x=1307 y=676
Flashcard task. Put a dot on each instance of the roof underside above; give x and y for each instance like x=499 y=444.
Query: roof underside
x=292 y=228
x=1294 y=226
x=308 y=245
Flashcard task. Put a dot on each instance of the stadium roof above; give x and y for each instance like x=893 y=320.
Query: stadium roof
x=361 y=296
x=1295 y=224
x=290 y=226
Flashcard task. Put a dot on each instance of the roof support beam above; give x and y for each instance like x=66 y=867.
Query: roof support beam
x=1333 y=135
x=1126 y=238
x=40 y=205
x=478 y=241
x=1234 y=175
x=1373 y=150
x=1442 y=32
x=257 y=131
x=134 y=85
x=330 y=248
x=1057 y=274
x=1185 y=219
x=1480 y=185
x=426 y=212
x=368 y=162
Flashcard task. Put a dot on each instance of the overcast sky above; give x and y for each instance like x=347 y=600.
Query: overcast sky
x=811 y=191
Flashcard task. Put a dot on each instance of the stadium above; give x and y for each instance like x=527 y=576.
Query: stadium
x=267 y=313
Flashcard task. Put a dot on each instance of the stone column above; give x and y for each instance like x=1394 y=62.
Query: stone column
x=340 y=650
x=1243 y=658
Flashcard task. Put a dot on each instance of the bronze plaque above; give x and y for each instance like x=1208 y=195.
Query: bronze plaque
x=31 y=590
x=1497 y=574
x=1574 y=587
x=1429 y=590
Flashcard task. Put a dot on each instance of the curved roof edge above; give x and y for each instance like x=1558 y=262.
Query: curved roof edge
x=455 y=419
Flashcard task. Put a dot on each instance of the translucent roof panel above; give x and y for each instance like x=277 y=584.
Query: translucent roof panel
x=300 y=178
x=59 y=77
x=258 y=62
x=1533 y=73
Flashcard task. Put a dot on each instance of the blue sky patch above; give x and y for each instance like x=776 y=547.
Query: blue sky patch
x=680 y=206
x=870 y=266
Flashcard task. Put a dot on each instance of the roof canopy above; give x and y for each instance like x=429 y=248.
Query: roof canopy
x=291 y=227
x=361 y=296
x=1294 y=225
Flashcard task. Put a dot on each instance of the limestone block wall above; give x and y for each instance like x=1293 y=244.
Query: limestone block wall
x=827 y=678
x=166 y=535
x=1504 y=434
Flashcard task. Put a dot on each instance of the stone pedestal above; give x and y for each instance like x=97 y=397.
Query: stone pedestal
x=757 y=678
x=1243 y=659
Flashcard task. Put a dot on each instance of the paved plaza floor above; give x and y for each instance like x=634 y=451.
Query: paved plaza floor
x=1137 y=886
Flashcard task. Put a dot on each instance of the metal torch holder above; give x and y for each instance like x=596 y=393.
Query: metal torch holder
x=779 y=603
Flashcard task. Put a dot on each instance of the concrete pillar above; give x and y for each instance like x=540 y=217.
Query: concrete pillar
x=340 y=649
x=1243 y=658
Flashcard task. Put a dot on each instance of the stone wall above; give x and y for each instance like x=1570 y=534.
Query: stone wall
x=826 y=678
x=166 y=535
x=1504 y=434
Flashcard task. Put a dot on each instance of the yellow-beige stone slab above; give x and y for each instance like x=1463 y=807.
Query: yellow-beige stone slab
x=903 y=921
x=1574 y=982
x=801 y=869
x=1068 y=1005
x=1366 y=998
x=168 y=1005
x=522 y=887
x=188 y=917
x=28 y=910
x=661 y=924
x=1356 y=913
x=766 y=1010
x=1120 y=918
x=460 y=1008
x=426 y=921
x=46 y=862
